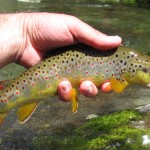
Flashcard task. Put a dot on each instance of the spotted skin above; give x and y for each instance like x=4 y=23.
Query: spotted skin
x=76 y=64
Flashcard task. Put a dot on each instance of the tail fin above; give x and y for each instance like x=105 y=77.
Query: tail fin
x=2 y=117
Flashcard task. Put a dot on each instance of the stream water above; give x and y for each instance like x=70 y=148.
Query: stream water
x=129 y=22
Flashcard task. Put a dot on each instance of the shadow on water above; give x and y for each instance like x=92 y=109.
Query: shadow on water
x=131 y=23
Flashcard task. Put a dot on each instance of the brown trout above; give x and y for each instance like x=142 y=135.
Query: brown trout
x=121 y=66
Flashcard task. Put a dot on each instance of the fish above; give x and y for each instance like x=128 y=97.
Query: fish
x=122 y=66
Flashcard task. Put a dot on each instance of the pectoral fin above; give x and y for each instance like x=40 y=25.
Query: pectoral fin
x=25 y=112
x=117 y=86
x=2 y=117
x=74 y=99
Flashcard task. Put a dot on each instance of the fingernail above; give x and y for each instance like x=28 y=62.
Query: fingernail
x=115 y=38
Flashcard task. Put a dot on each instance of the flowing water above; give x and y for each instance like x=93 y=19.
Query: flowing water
x=129 y=22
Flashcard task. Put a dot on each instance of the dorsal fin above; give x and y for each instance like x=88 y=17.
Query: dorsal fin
x=25 y=112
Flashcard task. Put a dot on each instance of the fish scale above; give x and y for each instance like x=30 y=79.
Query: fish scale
x=75 y=63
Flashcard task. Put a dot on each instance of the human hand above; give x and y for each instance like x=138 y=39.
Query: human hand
x=32 y=35
x=49 y=31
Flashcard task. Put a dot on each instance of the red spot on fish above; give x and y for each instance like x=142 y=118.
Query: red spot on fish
x=4 y=101
x=101 y=63
x=1 y=87
x=46 y=78
x=110 y=63
x=57 y=74
x=54 y=65
x=97 y=72
x=51 y=73
x=87 y=72
x=33 y=84
x=107 y=70
x=36 y=73
x=17 y=92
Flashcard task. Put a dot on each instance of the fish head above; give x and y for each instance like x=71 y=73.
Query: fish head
x=139 y=71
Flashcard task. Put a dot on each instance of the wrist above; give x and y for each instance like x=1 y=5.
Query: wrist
x=11 y=38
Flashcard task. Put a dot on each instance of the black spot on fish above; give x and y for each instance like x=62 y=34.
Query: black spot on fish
x=72 y=59
x=44 y=65
x=145 y=70
x=128 y=57
x=125 y=63
x=135 y=66
x=78 y=55
x=140 y=66
x=116 y=55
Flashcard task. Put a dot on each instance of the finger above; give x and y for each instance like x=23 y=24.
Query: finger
x=88 y=35
x=105 y=87
x=64 y=88
x=88 y=89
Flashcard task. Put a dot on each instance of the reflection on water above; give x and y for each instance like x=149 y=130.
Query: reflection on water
x=131 y=23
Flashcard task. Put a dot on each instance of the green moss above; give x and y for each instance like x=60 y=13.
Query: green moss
x=106 y=123
x=75 y=143
x=46 y=143
x=111 y=132
x=121 y=138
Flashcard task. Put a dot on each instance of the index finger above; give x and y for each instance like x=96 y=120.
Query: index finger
x=84 y=33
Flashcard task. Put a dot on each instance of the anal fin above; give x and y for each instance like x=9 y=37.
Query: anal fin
x=25 y=112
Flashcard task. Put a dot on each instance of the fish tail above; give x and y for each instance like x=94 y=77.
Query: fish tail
x=2 y=117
